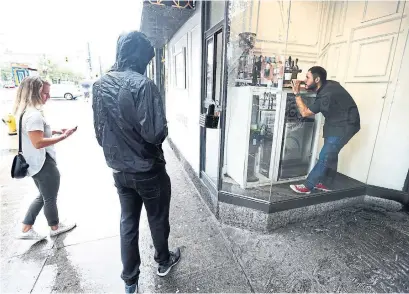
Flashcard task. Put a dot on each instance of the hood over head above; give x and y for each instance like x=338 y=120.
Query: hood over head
x=133 y=52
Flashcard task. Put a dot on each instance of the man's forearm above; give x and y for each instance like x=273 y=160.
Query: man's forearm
x=301 y=106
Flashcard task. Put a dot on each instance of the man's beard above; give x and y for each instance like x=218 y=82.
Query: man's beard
x=312 y=87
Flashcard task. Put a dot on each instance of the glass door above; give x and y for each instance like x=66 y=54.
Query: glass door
x=212 y=98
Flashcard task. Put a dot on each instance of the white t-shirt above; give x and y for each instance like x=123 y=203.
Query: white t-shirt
x=33 y=120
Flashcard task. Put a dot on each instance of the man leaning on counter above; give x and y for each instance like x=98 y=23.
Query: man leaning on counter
x=342 y=122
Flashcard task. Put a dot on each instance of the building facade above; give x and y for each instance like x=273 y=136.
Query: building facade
x=224 y=69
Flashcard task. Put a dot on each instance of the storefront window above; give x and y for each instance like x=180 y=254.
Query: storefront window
x=214 y=57
x=209 y=69
x=212 y=135
x=256 y=51
x=268 y=144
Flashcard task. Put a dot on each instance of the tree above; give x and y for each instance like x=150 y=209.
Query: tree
x=46 y=68
x=6 y=74
x=51 y=71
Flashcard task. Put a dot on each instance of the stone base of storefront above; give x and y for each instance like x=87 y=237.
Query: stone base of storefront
x=259 y=215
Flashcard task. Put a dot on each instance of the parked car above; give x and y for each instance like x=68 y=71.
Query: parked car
x=67 y=91
x=9 y=85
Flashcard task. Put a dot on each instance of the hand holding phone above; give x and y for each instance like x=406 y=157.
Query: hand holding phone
x=69 y=132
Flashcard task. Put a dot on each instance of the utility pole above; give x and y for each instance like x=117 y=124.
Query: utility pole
x=89 y=61
x=100 y=67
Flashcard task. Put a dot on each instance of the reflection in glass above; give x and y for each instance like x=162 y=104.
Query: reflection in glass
x=267 y=120
x=261 y=136
x=298 y=134
x=209 y=70
x=255 y=66
x=213 y=92
x=218 y=70
x=212 y=153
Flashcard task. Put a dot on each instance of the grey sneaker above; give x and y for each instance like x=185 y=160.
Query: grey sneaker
x=174 y=258
x=62 y=228
x=31 y=235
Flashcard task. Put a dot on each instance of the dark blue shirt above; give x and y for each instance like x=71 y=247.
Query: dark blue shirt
x=339 y=109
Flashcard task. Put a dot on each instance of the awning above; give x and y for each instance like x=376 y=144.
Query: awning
x=162 y=19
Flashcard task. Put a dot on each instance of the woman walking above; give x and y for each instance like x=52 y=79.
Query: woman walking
x=38 y=142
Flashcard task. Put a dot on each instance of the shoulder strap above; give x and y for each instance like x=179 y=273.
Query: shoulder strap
x=20 y=147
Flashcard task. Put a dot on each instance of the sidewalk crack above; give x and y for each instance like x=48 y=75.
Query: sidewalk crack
x=44 y=263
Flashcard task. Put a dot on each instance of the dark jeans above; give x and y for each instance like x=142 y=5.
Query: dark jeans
x=47 y=181
x=326 y=168
x=153 y=191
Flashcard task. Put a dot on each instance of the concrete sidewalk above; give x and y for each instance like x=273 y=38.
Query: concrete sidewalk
x=88 y=258
x=360 y=249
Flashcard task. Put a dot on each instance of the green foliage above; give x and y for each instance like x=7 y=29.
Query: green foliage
x=55 y=73
x=6 y=74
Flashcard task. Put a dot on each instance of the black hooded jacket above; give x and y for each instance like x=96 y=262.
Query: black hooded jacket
x=129 y=119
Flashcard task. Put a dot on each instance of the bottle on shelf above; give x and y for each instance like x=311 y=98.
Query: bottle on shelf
x=296 y=70
x=254 y=72
x=241 y=67
x=255 y=75
x=287 y=71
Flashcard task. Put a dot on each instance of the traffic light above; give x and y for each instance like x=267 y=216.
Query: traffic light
x=66 y=59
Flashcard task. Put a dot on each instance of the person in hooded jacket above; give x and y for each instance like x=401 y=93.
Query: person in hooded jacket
x=130 y=126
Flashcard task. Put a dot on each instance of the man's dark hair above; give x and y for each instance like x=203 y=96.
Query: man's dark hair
x=318 y=71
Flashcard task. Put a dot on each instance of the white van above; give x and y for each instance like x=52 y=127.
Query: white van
x=67 y=91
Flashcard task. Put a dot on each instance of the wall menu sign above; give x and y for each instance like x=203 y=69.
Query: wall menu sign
x=188 y=4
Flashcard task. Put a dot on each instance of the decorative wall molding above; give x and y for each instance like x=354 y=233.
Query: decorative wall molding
x=339 y=43
x=335 y=62
x=379 y=22
x=393 y=7
x=383 y=67
x=342 y=18
x=375 y=37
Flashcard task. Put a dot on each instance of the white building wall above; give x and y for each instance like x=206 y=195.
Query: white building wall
x=390 y=161
x=183 y=104
x=365 y=51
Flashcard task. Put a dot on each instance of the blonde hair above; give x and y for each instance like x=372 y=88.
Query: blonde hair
x=29 y=94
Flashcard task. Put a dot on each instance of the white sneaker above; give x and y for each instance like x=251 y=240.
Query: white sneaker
x=31 y=235
x=62 y=229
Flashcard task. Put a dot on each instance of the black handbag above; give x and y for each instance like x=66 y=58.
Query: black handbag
x=19 y=166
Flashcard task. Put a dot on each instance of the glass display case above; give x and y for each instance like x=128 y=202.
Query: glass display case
x=269 y=142
x=297 y=141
